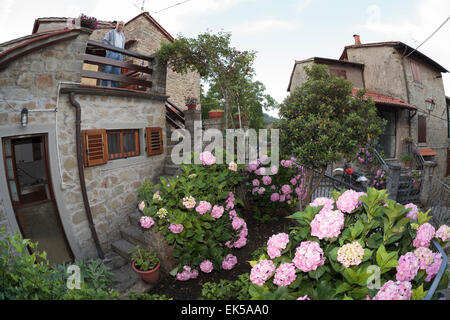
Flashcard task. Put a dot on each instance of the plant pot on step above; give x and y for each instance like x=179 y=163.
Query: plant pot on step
x=216 y=114
x=408 y=164
x=192 y=107
x=151 y=276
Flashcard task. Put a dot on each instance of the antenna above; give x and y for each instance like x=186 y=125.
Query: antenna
x=142 y=8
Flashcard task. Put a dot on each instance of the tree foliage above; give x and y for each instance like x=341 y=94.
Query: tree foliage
x=228 y=71
x=321 y=122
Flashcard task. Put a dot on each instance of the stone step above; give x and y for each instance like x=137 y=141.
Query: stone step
x=122 y=248
x=134 y=219
x=133 y=235
x=171 y=169
x=114 y=261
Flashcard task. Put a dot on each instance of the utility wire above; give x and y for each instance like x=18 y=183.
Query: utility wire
x=448 y=18
x=177 y=4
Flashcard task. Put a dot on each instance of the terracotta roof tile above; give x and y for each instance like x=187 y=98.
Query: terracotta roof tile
x=427 y=152
x=384 y=99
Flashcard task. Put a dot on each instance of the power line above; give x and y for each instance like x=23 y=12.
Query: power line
x=177 y=4
x=448 y=18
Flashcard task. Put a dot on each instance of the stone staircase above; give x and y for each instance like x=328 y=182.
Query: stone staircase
x=407 y=193
x=132 y=235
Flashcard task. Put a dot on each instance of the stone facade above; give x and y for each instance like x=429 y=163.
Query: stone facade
x=387 y=72
x=32 y=82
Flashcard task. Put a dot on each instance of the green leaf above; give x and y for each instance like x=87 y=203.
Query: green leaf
x=174 y=272
x=356 y=230
x=386 y=260
x=418 y=293
x=422 y=217
x=343 y=287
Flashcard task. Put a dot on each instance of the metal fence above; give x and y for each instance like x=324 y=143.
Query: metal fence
x=439 y=202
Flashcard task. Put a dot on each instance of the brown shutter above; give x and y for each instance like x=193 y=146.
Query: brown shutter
x=416 y=72
x=339 y=73
x=154 y=139
x=422 y=129
x=95 y=147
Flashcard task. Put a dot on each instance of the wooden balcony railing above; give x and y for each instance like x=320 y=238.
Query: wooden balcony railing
x=133 y=76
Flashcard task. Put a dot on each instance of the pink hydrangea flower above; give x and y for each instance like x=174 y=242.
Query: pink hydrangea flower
x=232 y=214
x=261 y=191
x=274 y=169
x=293 y=181
x=260 y=171
x=266 y=180
x=263 y=159
x=252 y=166
x=400 y=290
x=238 y=223
x=274 y=197
x=187 y=274
x=286 y=189
x=207 y=158
x=276 y=244
x=286 y=163
x=408 y=266
x=206 y=266
x=217 y=212
x=425 y=257
x=424 y=235
x=189 y=202
x=255 y=190
x=348 y=201
x=229 y=262
x=327 y=203
x=350 y=254
x=241 y=242
x=273 y=187
x=203 y=207
x=304 y=298
x=412 y=214
x=285 y=275
x=298 y=191
x=309 y=256
x=146 y=222
x=327 y=224
x=141 y=206
x=262 y=271
x=255 y=182
x=176 y=228
x=282 y=198
x=433 y=269
x=443 y=233
x=233 y=166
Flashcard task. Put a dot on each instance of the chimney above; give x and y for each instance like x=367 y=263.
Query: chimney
x=357 y=39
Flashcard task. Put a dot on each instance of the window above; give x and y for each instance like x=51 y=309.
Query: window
x=416 y=72
x=422 y=129
x=339 y=73
x=123 y=144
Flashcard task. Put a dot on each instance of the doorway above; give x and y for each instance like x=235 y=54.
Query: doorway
x=30 y=188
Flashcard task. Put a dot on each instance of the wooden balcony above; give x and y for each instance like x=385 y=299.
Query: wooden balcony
x=136 y=69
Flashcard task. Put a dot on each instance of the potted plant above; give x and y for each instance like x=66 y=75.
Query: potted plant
x=191 y=103
x=88 y=22
x=408 y=140
x=146 y=264
x=215 y=113
x=407 y=158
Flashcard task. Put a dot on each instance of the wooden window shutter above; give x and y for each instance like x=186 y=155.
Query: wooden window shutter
x=95 y=147
x=154 y=140
x=339 y=73
x=416 y=72
x=422 y=129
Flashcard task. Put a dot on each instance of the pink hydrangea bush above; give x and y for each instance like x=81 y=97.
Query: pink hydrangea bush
x=261 y=272
x=412 y=214
x=336 y=260
x=197 y=214
x=443 y=233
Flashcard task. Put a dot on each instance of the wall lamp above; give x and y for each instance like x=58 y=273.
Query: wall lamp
x=24 y=117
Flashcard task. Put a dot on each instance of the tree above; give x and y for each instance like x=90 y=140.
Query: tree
x=321 y=123
x=215 y=60
x=251 y=99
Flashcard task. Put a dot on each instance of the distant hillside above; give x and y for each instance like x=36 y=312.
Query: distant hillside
x=269 y=119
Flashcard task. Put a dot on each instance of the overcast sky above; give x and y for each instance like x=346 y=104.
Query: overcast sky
x=281 y=31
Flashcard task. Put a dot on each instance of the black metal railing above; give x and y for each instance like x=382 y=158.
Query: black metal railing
x=174 y=115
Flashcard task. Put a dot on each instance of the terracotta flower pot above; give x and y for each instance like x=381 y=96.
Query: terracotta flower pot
x=408 y=164
x=151 y=276
x=215 y=114
x=193 y=107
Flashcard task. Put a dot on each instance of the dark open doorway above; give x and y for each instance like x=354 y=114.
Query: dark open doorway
x=31 y=192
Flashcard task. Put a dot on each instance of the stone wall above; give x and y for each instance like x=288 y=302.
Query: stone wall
x=31 y=82
x=149 y=39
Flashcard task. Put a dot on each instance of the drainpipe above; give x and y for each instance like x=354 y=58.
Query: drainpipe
x=87 y=207
x=403 y=57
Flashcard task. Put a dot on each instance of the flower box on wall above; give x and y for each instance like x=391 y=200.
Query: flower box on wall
x=216 y=114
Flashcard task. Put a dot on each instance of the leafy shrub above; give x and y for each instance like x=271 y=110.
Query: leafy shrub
x=227 y=289
x=196 y=213
x=276 y=187
x=25 y=276
x=342 y=243
x=147 y=296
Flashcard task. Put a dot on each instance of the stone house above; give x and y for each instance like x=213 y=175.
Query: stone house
x=74 y=153
x=407 y=89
